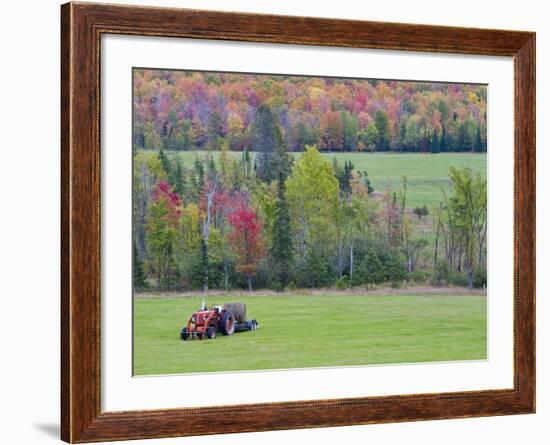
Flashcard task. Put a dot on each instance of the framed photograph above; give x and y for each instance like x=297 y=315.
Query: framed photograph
x=274 y=222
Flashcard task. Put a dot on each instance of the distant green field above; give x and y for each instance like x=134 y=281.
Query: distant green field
x=299 y=331
x=426 y=173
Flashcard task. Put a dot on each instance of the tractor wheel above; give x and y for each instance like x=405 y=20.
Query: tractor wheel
x=211 y=332
x=183 y=334
x=227 y=323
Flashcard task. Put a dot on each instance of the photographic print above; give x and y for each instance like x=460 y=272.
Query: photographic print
x=299 y=199
x=287 y=222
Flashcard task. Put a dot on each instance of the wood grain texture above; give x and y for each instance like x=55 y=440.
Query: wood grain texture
x=81 y=28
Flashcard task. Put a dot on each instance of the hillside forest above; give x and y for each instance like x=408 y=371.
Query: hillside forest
x=239 y=182
x=180 y=110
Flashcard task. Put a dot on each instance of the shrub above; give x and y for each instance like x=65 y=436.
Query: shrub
x=458 y=278
x=315 y=272
x=480 y=278
x=395 y=284
x=393 y=268
x=277 y=286
x=443 y=276
x=369 y=270
x=342 y=283
x=418 y=276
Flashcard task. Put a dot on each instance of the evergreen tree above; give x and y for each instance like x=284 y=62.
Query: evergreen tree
x=200 y=269
x=169 y=132
x=266 y=135
x=402 y=135
x=185 y=141
x=214 y=130
x=247 y=164
x=348 y=170
x=315 y=270
x=199 y=172
x=164 y=135
x=139 y=275
x=366 y=180
x=237 y=174
x=177 y=179
x=303 y=136
x=344 y=175
x=165 y=163
x=478 y=146
x=384 y=132
x=394 y=269
x=171 y=273
x=434 y=147
x=369 y=270
x=336 y=167
x=443 y=143
x=350 y=126
x=281 y=248
x=466 y=135
x=211 y=171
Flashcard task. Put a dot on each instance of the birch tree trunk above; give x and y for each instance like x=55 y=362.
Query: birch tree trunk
x=437 y=236
x=206 y=228
x=351 y=265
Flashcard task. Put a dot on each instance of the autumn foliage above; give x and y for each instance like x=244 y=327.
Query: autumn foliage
x=163 y=192
x=279 y=220
x=246 y=239
x=181 y=110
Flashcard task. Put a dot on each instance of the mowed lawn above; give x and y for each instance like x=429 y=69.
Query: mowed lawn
x=426 y=173
x=301 y=331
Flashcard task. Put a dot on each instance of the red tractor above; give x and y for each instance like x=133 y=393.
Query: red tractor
x=207 y=322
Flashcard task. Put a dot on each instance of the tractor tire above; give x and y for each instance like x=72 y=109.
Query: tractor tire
x=183 y=334
x=211 y=332
x=238 y=310
x=227 y=323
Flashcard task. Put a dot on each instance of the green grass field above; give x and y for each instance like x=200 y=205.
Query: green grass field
x=426 y=173
x=302 y=331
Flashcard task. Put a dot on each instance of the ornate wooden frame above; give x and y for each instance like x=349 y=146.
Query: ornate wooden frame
x=81 y=28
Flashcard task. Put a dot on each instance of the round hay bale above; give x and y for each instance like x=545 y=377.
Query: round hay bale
x=238 y=310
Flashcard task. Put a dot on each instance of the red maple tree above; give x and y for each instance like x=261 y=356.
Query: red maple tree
x=246 y=240
x=174 y=204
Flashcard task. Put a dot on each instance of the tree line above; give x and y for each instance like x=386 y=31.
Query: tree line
x=178 y=110
x=266 y=221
